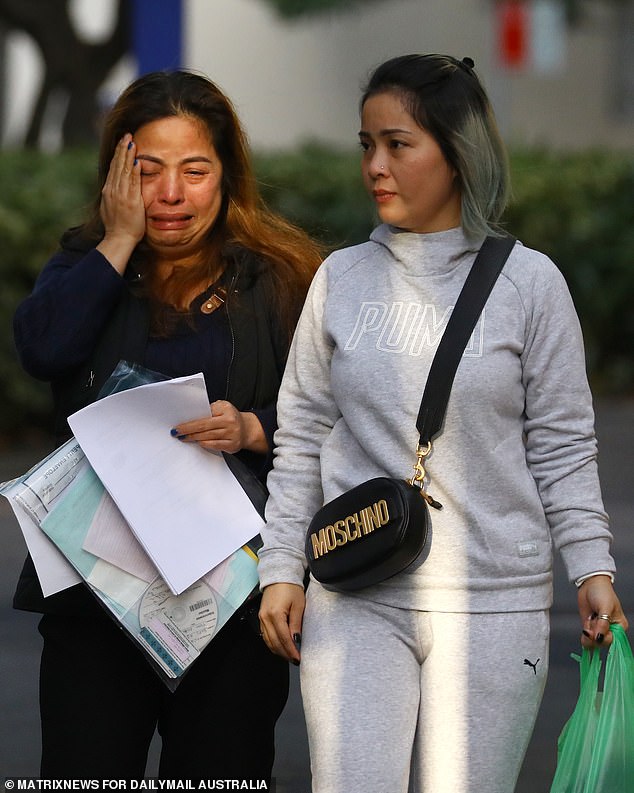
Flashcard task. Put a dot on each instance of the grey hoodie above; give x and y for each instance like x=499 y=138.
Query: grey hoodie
x=515 y=465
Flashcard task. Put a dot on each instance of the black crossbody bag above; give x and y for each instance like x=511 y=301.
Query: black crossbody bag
x=378 y=528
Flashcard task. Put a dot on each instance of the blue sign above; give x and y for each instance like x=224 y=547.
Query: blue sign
x=157 y=34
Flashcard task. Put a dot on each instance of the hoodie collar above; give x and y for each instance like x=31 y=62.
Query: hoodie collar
x=426 y=254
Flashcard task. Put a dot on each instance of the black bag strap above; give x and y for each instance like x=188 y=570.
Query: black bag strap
x=482 y=276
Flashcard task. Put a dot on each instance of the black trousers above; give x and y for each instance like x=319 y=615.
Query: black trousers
x=101 y=701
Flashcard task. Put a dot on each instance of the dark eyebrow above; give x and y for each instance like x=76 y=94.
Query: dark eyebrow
x=386 y=132
x=159 y=161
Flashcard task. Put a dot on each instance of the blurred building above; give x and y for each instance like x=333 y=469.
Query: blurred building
x=552 y=84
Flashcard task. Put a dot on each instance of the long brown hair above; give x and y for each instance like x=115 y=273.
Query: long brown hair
x=243 y=220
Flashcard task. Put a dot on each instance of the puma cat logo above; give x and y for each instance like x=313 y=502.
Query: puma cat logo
x=532 y=665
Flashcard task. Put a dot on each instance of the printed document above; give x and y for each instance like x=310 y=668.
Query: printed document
x=32 y=496
x=182 y=502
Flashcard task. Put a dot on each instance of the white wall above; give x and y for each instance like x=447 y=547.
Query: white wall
x=294 y=80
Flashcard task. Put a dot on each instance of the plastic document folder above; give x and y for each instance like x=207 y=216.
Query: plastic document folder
x=65 y=501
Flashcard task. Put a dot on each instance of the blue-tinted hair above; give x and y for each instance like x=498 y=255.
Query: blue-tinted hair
x=445 y=97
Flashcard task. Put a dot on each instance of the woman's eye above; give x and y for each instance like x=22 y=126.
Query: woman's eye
x=149 y=173
x=396 y=144
x=364 y=145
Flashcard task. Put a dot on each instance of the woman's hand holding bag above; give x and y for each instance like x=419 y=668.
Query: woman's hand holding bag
x=596 y=746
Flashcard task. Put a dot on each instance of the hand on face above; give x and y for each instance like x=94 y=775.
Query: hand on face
x=165 y=186
x=122 y=208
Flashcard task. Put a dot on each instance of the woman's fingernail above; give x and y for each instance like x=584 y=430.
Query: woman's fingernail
x=130 y=145
x=297 y=639
x=173 y=433
x=294 y=662
x=600 y=638
x=586 y=634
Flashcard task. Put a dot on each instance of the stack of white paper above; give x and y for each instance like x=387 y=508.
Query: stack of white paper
x=182 y=502
x=157 y=528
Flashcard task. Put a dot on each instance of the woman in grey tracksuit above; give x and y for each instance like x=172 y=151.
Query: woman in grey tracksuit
x=433 y=678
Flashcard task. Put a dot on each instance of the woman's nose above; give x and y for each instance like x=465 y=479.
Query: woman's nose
x=171 y=191
x=376 y=166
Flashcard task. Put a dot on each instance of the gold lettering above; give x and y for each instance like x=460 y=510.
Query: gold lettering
x=350 y=528
x=382 y=511
x=367 y=520
x=340 y=531
x=331 y=542
x=318 y=540
x=352 y=535
x=374 y=516
x=357 y=524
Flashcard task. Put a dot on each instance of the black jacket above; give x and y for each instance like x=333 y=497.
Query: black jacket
x=259 y=350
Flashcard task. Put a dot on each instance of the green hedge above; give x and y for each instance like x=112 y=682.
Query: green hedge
x=41 y=194
x=577 y=208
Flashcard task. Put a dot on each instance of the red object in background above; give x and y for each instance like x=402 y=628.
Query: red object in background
x=513 y=32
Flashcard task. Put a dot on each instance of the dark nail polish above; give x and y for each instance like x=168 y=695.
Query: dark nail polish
x=297 y=638
x=173 y=433
x=130 y=145
x=586 y=634
x=294 y=662
x=600 y=638
x=136 y=162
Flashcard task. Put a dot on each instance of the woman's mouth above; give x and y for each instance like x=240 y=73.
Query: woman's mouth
x=170 y=221
x=381 y=196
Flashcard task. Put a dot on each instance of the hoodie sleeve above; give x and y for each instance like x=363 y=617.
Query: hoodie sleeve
x=561 y=447
x=306 y=415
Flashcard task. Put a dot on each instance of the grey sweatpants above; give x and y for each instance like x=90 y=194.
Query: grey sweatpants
x=443 y=702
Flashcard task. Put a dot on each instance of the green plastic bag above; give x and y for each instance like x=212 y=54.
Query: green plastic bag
x=595 y=751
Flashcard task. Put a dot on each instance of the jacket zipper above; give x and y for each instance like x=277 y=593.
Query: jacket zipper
x=231 y=331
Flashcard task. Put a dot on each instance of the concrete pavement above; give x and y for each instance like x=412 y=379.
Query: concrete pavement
x=20 y=643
